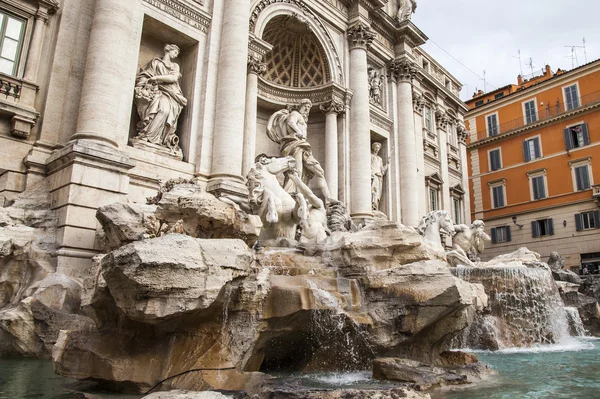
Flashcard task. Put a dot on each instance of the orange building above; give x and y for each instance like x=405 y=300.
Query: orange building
x=534 y=151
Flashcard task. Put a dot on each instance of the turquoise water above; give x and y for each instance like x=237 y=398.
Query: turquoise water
x=31 y=378
x=568 y=371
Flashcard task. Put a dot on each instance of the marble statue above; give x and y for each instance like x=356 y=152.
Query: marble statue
x=469 y=241
x=288 y=129
x=279 y=211
x=375 y=83
x=159 y=100
x=406 y=9
x=555 y=261
x=378 y=171
x=432 y=225
x=313 y=225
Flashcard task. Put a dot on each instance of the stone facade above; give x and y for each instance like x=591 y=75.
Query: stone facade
x=68 y=115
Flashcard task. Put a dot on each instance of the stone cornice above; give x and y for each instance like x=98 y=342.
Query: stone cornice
x=533 y=126
x=368 y=4
x=192 y=16
x=258 y=46
x=282 y=95
x=360 y=35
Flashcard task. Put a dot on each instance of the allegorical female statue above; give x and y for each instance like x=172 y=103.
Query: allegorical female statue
x=159 y=100
x=378 y=171
x=406 y=8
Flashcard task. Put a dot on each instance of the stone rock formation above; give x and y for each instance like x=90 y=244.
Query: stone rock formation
x=182 y=394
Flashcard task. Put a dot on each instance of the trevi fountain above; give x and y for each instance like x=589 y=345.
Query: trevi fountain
x=284 y=291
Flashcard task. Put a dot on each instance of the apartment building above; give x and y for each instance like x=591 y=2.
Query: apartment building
x=534 y=149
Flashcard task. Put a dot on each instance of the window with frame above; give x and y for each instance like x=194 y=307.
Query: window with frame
x=498 y=96
x=530 y=112
x=538 y=187
x=498 y=200
x=541 y=228
x=532 y=149
x=12 y=31
x=587 y=220
x=457 y=203
x=571 y=97
x=577 y=136
x=501 y=234
x=479 y=103
x=433 y=199
x=427 y=118
x=495 y=159
x=492 y=125
x=582 y=177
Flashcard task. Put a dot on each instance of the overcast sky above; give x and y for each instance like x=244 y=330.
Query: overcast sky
x=487 y=35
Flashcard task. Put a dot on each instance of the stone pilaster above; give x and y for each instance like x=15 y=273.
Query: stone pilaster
x=360 y=37
x=404 y=71
x=256 y=67
x=228 y=142
x=332 y=109
x=419 y=103
x=107 y=75
x=463 y=135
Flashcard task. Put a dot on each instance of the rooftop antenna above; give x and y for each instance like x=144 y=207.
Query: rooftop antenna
x=574 y=54
x=520 y=63
x=531 y=66
x=584 y=51
x=484 y=82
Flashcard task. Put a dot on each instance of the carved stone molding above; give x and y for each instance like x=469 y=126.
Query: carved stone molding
x=309 y=15
x=419 y=102
x=360 y=36
x=193 y=17
x=441 y=119
x=462 y=135
x=403 y=70
x=281 y=96
x=255 y=64
x=334 y=106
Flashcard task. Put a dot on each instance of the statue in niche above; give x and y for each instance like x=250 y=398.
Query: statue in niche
x=159 y=101
x=375 y=83
x=288 y=129
x=378 y=171
x=406 y=8
x=468 y=243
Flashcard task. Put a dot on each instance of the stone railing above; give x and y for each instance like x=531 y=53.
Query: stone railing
x=10 y=87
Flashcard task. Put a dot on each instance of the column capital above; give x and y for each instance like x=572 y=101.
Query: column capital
x=441 y=119
x=403 y=70
x=334 y=106
x=419 y=102
x=360 y=36
x=462 y=134
x=256 y=64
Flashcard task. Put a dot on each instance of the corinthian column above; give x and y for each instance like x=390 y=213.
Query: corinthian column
x=404 y=72
x=332 y=109
x=463 y=135
x=360 y=37
x=255 y=67
x=228 y=142
x=106 y=74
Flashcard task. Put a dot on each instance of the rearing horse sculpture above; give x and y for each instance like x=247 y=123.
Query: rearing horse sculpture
x=278 y=210
x=432 y=225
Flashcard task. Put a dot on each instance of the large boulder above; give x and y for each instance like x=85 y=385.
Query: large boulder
x=182 y=394
x=124 y=223
x=157 y=279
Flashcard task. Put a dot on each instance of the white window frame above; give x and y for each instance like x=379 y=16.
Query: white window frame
x=537 y=112
x=570 y=125
x=589 y=219
x=28 y=20
x=539 y=137
x=489 y=159
x=506 y=238
x=457 y=209
x=565 y=95
x=487 y=125
x=431 y=121
x=494 y=184
x=437 y=198
x=579 y=163
x=534 y=174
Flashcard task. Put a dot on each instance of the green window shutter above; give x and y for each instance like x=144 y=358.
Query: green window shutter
x=535 y=229
x=597 y=219
x=494 y=236
x=586 y=133
x=537 y=147
x=526 y=154
x=568 y=139
x=550 y=226
x=508 y=235
x=578 y=222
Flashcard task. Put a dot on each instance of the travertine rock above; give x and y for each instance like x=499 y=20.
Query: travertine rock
x=520 y=257
x=124 y=223
x=410 y=371
x=182 y=394
x=161 y=278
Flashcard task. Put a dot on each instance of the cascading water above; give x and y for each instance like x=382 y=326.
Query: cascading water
x=525 y=309
x=576 y=325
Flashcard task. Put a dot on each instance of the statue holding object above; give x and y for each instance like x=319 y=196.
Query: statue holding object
x=159 y=101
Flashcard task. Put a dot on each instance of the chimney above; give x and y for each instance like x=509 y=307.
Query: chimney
x=519 y=80
x=548 y=71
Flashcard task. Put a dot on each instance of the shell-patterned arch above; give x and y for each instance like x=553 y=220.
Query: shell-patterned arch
x=265 y=10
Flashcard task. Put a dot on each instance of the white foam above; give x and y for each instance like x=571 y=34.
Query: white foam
x=343 y=379
x=567 y=345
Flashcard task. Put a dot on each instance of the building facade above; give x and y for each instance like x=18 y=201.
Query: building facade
x=80 y=105
x=534 y=150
